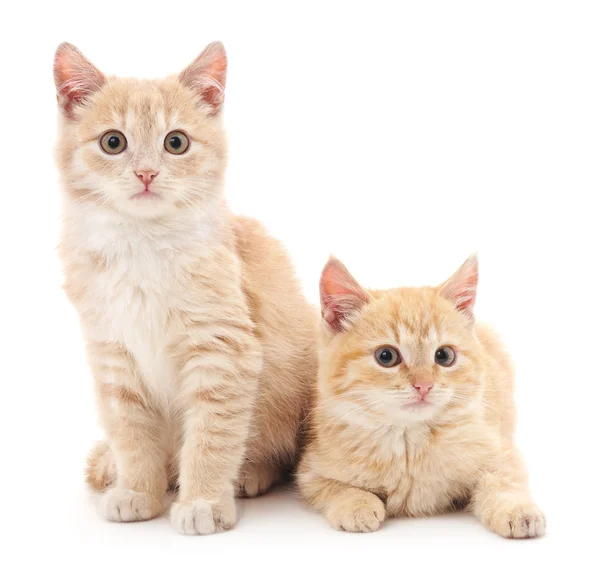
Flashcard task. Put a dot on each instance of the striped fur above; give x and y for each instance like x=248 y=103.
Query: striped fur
x=375 y=449
x=201 y=344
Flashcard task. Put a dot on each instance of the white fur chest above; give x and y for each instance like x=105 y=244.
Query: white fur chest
x=132 y=284
x=400 y=441
x=135 y=312
x=131 y=301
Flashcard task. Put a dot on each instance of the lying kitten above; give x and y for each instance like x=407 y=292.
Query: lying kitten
x=414 y=411
x=201 y=344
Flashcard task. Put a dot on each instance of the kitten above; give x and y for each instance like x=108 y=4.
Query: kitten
x=201 y=343
x=414 y=412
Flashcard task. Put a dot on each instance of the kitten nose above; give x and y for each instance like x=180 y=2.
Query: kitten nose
x=423 y=388
x=146 y=176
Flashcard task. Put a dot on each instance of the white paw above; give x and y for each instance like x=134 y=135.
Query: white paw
x=357 y=512
x=256 y=480
x=124 y=505
x=203 y=517
x=523 y=520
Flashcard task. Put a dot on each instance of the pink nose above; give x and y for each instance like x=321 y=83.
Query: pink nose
x=146 y=176
x=423 y=388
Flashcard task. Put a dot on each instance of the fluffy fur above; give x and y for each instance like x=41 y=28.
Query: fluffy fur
x=379 y=447
x=201 y=344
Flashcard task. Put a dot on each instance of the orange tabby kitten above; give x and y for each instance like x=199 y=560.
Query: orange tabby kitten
x=414 y=412
x=201 y=344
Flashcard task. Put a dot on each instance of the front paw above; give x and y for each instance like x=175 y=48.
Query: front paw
x=357 y=511
x=125 y=505
x=255 y=480
x=516 y=520
x=204 y=517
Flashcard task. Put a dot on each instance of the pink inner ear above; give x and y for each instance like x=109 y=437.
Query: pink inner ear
x=466 y=301
x=337 y=309
x=207 y=75
x=213 y=96
x=341 y=295
x=75 y=77
x=215 y=78
x=461 y=287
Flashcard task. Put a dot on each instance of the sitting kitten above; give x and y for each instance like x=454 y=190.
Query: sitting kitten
x=201 y=344
x=414 y=411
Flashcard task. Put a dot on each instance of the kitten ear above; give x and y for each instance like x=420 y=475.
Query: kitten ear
x=461 y=287
x=207 y=74
x=75 y=77
x=341 y=295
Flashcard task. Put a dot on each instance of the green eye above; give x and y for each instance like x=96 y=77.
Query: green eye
x=387 y=356
x=113 y=142
x=445 y=356
x=176 y=142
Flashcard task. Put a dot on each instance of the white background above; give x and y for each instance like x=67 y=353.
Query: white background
x=399 y=136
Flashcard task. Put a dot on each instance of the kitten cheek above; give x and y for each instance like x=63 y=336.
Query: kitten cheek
x=444 y=394
x=96 y=162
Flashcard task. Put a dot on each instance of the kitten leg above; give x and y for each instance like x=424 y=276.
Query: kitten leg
x=218 y=392
x=502 y=501
x=135 y=436
x=346 y=508
x=101 y=470
x=256 y=479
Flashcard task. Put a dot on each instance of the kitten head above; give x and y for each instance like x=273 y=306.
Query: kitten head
x=141 y=148
x=399 y=355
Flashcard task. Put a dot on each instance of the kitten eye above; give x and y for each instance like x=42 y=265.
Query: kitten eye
x=113 y=142
x=445 y=356
x=176 y=142
x=387 y=356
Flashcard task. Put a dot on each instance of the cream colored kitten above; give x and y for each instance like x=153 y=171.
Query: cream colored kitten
x=414 y=412
x=200 y=341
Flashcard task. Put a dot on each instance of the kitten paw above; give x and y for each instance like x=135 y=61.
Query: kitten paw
x=362 y=512
x=125 y=505
x=101 y=470
x=203 y=517
x=257 y=479
x=517 y=521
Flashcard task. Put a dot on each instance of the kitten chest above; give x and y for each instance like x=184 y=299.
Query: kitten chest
x=430 y=470
x=132 y=305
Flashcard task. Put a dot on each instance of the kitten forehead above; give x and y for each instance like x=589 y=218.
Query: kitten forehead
x=433 y=336
x=411 y=312
x=146 y=118
x=143 y=105
x=416 y=344
x=415 y=320
x=424 y=329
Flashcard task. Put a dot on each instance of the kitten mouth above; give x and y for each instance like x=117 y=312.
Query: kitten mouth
x=419 y=404
x=145 y=194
